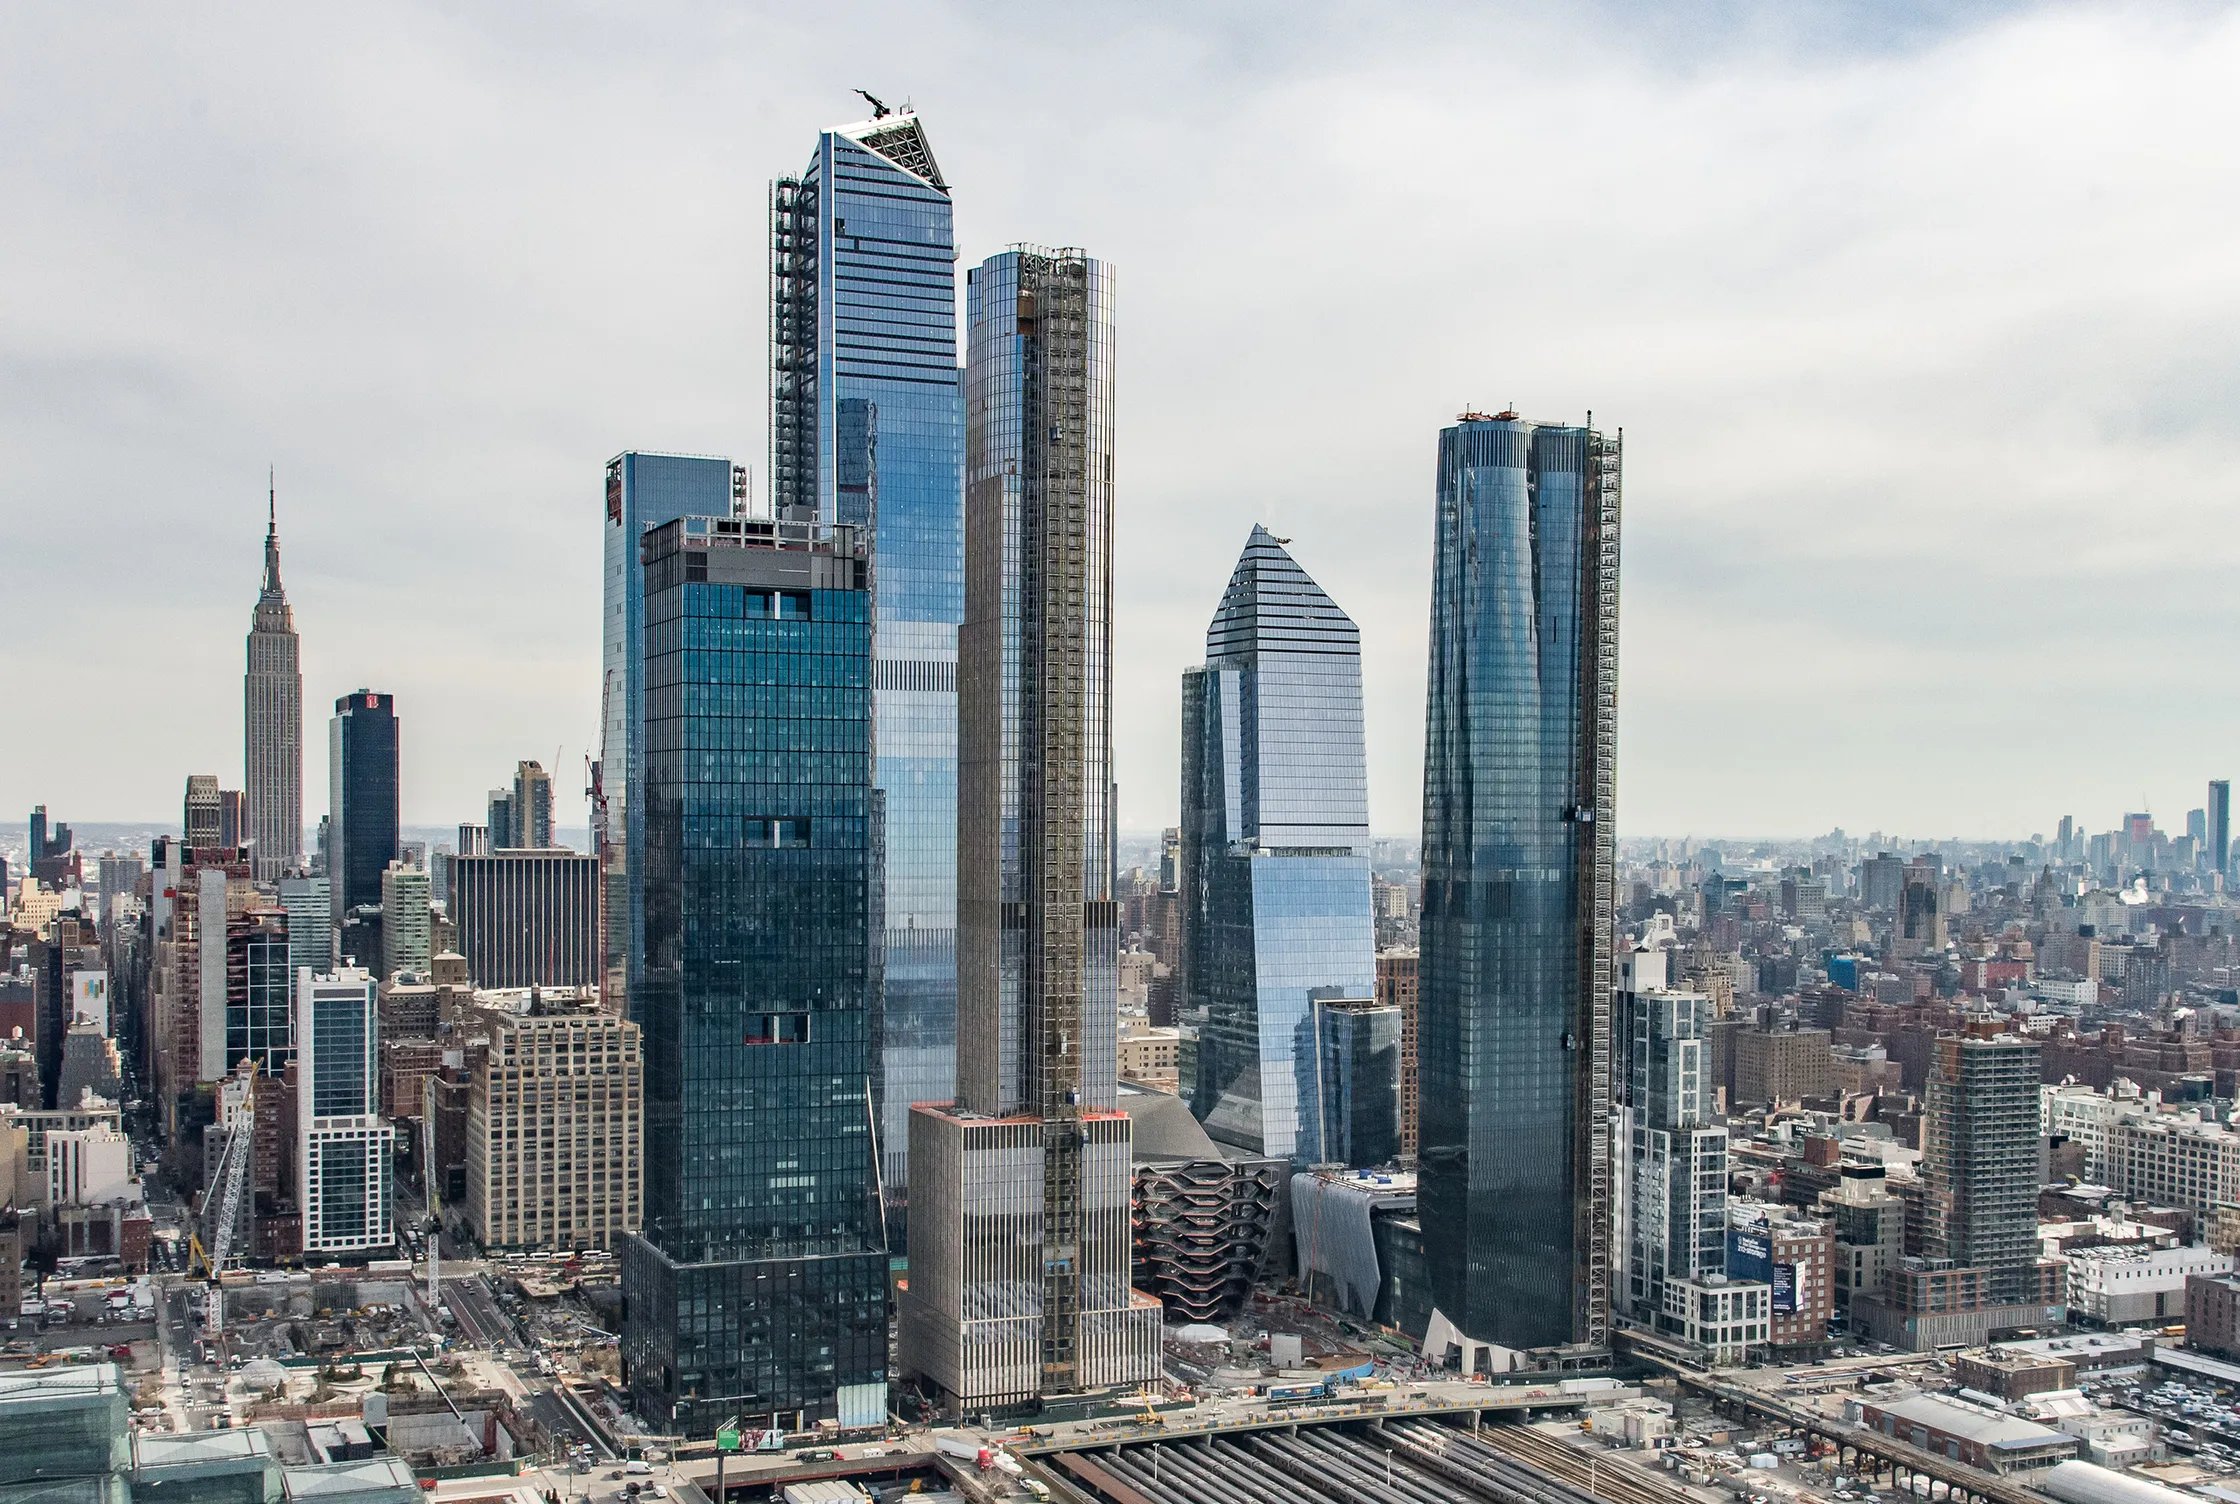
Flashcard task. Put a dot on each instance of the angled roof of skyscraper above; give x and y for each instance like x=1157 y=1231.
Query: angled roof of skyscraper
x=1272 y=604
x=901 y=140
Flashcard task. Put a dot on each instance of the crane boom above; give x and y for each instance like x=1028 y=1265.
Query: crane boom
x=228 y=1182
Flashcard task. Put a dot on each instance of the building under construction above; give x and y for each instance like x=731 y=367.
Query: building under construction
x=1019 y=1190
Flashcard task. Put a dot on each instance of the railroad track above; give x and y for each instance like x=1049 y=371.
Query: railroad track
x=1611 y=1481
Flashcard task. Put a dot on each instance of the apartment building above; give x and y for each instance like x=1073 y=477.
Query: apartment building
x=554 y=1117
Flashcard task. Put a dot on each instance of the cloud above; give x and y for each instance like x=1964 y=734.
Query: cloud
x=1921 y=330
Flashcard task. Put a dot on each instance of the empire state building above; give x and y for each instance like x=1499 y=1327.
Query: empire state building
x=272 y=721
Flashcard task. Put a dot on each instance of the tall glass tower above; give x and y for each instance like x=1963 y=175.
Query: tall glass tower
x=867 y=428
x=362 y=794
x=272 y=720
x=1276 y=803
x=643 y=491
x=1019 y=1261
x=1518 y=859
x=758 y=1283
x=2217 y=853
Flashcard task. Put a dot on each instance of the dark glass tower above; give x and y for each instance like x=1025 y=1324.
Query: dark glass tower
x=2217 y=855
x=759 y=1283
x=867 y=428
x=1517 y=887
x=260 y=1021
x=1275 y=815
x=362 y=839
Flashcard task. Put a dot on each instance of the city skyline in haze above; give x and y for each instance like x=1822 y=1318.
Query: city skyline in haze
x=1919 y=331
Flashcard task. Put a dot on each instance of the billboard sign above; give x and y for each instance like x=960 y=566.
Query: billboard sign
x=1749 y=1254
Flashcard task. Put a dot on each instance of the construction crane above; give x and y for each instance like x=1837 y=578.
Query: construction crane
x=227 y=1183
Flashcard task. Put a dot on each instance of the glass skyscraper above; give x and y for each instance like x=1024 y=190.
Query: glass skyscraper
x=1019 y=1255
x=344 y=1148
x=1518 y=888
x=2217 y=852
x=867 y=429
x=1275 y=819
x=642 y=492
x=758 y=1284
x=362 y=798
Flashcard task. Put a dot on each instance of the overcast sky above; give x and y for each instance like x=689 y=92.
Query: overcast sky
x=1922 y=334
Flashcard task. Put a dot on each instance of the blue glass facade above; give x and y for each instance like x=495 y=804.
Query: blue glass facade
x=1517 y=874
x=1275 y=830
x=867 y=427
x=642 y=492
x=1348 y=1069
x=759 y=1283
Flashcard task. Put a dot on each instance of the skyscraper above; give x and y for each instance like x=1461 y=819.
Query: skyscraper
x=259 y=1023
x=272 y=721
x=1518 y=855
x=1673 y=1196
x=527 y=918
x=501 y=822
x=642 y=492
x=867 y=428
x=532 y=806
x=1019 y=1254
x=1278 y=801
x=2218 y=851
x=362 y=793
x=343 y=1147
x=233 y=817
x=1981 y=1271
x=407 y=921
x=759 y=1283
x=309 y=903
x=200 y=818
x=1979 y=1162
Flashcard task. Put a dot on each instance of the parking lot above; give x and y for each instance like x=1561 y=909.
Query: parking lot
x=2200 y=1417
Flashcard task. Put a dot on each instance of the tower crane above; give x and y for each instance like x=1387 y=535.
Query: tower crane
x=228 y=1182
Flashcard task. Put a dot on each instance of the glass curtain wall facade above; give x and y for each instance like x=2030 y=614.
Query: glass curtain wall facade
x=362 y=797
x=344 y=1149
x=1275 y=845
x=260 y=1023
x=759 y=1282
x=2217 y=856
x=1348 y=1068
x=867 y=429
x=642 y=492
x=1020 y=1252
x=1518 y=852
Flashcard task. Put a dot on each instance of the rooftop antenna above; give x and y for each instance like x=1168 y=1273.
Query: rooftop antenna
x=879 y=110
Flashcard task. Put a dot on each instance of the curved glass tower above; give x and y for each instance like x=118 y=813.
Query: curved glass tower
x=1517 y=887
x=1275 y=810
